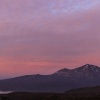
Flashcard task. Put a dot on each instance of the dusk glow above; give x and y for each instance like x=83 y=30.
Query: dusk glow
x=42 y=36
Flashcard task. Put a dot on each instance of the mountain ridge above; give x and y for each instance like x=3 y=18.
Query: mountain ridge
x=60 y=81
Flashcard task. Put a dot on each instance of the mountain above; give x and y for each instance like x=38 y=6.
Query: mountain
x=60 y=81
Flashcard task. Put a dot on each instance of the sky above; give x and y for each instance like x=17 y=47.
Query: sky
x=43 y=36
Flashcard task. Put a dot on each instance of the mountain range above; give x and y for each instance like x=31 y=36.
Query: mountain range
x=65 y=79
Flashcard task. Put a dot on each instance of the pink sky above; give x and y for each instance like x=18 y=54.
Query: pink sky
x=42 y=36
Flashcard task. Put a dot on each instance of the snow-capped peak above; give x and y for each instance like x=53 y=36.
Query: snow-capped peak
x=84 y=70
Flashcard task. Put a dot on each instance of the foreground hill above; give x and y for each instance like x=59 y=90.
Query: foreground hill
x=88 y=93
x=85 y=91
x=60 y=81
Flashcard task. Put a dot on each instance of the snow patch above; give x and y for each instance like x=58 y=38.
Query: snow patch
x=87 y=66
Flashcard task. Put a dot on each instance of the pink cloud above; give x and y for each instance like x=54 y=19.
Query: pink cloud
x=43 y=36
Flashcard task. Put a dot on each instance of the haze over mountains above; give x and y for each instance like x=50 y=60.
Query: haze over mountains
x=65 y=79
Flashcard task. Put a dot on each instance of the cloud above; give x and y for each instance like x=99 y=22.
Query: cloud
x=37 y=35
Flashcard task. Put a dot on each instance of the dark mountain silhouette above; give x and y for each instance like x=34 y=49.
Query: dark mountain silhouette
x=60 y=81
x=87 y=93
x=85 y=90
